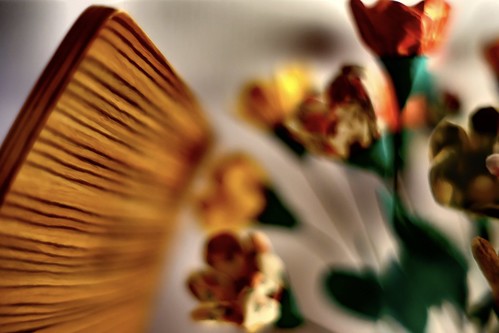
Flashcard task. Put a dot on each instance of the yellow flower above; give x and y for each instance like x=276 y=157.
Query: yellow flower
x=242 y=284
x=234 y=196
x=266 y=103
x=338 y=122
x=459 y=175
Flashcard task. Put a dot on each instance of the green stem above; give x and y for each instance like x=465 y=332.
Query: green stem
x=402 y=72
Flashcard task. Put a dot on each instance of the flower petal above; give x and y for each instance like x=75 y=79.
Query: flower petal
x=485 y=121
x=228 y=312
x=224 y=252
x=448 y=135
x=258 y=104
x=266 y=103
x=211 y=286
x=340 y=124
x=258 y=309
x=235 y=195
x=390 y=28
x=459 y=175
x=435 y=22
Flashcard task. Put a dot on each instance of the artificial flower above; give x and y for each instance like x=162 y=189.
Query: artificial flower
x=492 y=56
x=242 y=284
x=235 y=195
x=239 y=194
x=390 y=28
x=267 y=103
x=339 y=121
x=459 y=175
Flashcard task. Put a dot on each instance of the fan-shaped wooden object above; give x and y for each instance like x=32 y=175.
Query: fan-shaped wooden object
x=91 y=175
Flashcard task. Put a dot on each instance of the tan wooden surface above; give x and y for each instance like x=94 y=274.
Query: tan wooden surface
x=91 y=175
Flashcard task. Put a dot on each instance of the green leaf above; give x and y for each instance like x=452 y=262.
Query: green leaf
x=283 y=134
x=416 y=235
x=431 y=269
x=275 y=212
x=291 y=316
x=404 y=300
x=357 y=292
x=415 y=284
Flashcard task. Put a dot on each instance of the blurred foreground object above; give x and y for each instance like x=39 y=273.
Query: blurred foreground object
x=243 y=284
x=91 y=176
x=459 y=175
x=488 y=261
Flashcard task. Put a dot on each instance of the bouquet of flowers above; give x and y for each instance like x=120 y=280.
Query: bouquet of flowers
x=367 y=124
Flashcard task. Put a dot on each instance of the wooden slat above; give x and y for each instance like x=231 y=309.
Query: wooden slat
x=91 y=176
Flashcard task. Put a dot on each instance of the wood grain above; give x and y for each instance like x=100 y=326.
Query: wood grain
x=91 y=176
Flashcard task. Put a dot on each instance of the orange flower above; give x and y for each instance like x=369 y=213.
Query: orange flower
x=235 y=194
x=492 y=56
x=266 y=103
x=242 y=284
x=338 y=122
x=390 y=28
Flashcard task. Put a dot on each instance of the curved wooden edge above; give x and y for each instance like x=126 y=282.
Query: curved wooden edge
x=46 y=92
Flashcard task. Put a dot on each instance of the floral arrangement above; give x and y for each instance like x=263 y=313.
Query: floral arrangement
x=246 y=284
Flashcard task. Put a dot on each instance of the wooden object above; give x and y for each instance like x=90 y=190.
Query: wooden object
x=91 y=175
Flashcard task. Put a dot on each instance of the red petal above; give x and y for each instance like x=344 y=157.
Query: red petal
x=391 y=28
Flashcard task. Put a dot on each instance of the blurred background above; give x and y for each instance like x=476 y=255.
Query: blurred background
x=215 y=46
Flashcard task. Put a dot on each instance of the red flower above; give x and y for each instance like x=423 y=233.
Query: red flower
x=390 y=28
